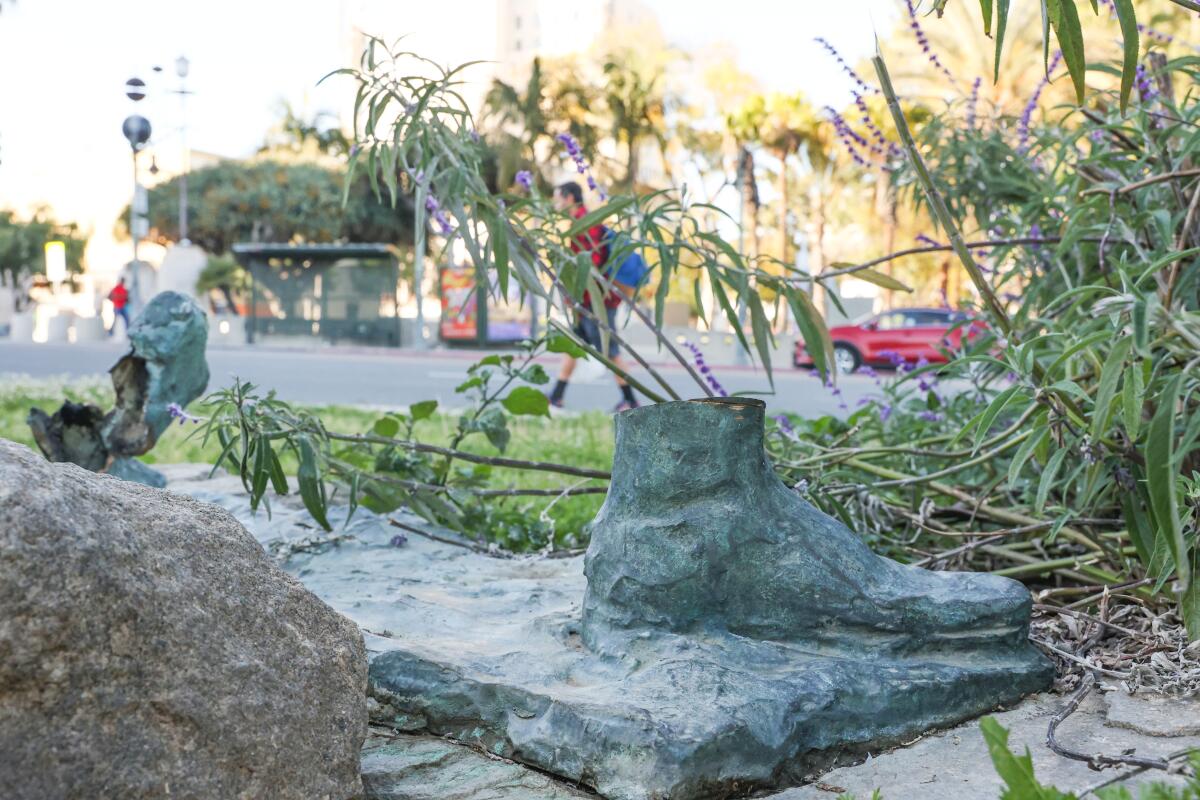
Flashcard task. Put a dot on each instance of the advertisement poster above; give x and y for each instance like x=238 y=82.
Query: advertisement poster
x=459 y=320
x=507 y=319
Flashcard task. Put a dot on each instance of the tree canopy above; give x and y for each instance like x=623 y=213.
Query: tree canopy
x=22 y=244
x=270 y=201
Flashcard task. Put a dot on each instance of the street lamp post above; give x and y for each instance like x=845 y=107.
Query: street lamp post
x=137 y=132
x=181 y=70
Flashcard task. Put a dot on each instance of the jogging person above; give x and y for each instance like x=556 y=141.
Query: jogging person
x=568 y=198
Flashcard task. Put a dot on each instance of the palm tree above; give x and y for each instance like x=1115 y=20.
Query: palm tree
x=524 y=123
x=789 y=123
x=636 y=104
x=745 y=127
x=522 y=110
x=316 y=137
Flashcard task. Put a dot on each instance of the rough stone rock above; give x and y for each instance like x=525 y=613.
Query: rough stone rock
x=429 y=768
x=149 y=648
x=954 y=764
x=1154 y=715
x=165 y=366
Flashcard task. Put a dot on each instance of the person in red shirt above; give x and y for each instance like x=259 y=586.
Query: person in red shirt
x=119 y=297
x=569 y=198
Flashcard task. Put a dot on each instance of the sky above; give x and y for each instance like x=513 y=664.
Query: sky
x=65 y=64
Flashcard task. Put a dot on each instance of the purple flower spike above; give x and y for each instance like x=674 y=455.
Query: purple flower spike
x=852 y=140
x=698 y=358
x=443 y=222
x=1145 y=86
x=923 y=40
x=571 y=145
x=525 y=179
x=784 y=423
x=1031 y=106
x=399 y=540
x=177 y=412
x=846 y=68
x=972 y=102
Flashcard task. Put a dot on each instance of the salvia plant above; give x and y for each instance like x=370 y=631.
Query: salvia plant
x=1054 y=447
x=416 y=134
x=1067 y=458
x=386 y=467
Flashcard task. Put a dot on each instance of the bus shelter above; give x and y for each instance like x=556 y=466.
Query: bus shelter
x=338 y=293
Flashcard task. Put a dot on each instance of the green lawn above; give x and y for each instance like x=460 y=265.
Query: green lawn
x=584 y=440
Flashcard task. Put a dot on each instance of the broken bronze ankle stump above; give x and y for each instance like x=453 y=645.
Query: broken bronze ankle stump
x=731 y=637
x=165 y=366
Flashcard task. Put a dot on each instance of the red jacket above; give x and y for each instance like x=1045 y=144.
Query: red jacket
x=593 y=239
x=119 y=296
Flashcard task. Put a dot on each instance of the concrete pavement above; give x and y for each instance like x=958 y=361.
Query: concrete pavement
x=394 y=378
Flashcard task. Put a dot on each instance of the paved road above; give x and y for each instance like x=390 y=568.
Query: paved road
x=396 y=378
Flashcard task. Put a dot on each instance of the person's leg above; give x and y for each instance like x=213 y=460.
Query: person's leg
x=628 y=400
x=586 y=330
x=560 y=385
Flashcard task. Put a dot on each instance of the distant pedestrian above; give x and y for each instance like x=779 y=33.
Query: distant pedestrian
x=119 y=297
x=569 y=198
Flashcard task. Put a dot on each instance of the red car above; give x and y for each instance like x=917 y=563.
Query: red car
x=904 y=333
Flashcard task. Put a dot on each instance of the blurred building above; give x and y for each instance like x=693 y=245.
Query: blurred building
x=529 y=28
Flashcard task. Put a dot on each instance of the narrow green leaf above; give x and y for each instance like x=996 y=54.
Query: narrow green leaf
x=1141 y=326
x=278 y=478
x=1046 y=482
x=1045 y=33
x=1001 y=26
x=994 y=410
x=1075 y=347
x=1141 y=532
x=262 y=471
x=1160 y=478
x=985 y=7
x=1129 y=43
x=817 y=340
x=881 y=279
x=762 y=333
x=308 y=478
x=498 y=238
x=227 y=444
x=593 y=218
x=699 y=302
x=355 y=488
x=1064 y=18
x=1109 y=376
x=1189 y=607
x=1131 y=401
x=723 y=299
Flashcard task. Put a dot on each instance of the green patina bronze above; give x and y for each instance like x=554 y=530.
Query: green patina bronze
x=731 y=637
x=165 y=366
x=698 y=535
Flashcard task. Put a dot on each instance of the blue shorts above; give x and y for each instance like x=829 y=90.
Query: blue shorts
x=587 y=329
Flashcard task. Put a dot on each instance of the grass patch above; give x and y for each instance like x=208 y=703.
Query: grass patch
x=584 y=440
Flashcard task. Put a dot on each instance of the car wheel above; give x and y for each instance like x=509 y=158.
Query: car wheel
x=846 y=358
